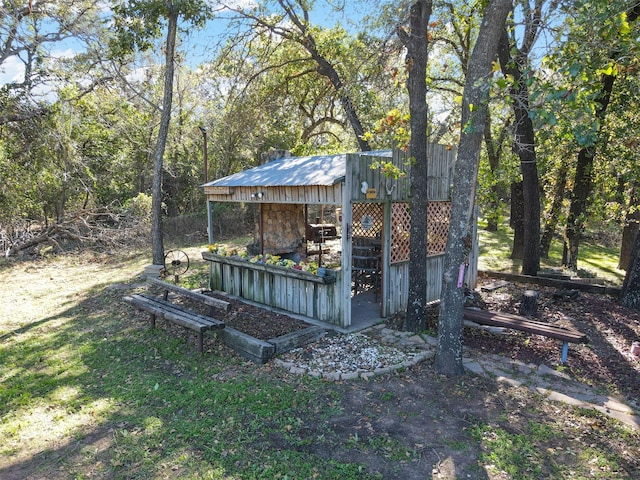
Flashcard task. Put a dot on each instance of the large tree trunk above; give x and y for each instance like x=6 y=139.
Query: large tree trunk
x=553 y=217
x=524 y=145
x=629 y=234
x=517 y=221
x=583 y=183
x=459 y=241
x=531 y=198
x=630 y=293
x=630 y=231
x=416 y=43
x=158 y=154
x=582 y=188
x=494 y=153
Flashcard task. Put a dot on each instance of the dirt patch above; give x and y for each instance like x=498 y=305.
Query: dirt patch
x=605 y=361
x=257 y=322
x=260 y=323
x=411 y=424
x=404 y=425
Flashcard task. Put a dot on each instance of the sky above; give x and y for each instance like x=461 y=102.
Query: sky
x=326 y=13
x=198 y=43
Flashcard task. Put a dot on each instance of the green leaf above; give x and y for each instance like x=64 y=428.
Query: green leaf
x=625 y=29
x=575 y=69
x=610 y=70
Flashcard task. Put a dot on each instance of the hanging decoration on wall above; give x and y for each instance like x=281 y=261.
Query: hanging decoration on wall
x=366 y=222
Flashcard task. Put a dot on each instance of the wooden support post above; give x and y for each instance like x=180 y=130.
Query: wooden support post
x=529 y=303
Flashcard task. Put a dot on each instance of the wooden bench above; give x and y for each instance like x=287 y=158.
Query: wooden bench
x=178 y=314
x=213 y=303
x=515 y=322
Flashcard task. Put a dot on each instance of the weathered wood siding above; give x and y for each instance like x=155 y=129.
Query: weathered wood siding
x=435 y=267
x=397 y=291
x=311 y=194
x=359 y=168
x=439 y=172
x=395 y=276
x=441 y=159
x=277 y=287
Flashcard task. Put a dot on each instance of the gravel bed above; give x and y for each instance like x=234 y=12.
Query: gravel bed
x=346 y=354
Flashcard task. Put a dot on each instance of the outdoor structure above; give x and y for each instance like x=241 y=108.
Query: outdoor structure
x=365 y=245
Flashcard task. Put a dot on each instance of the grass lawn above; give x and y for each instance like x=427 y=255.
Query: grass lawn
x=87 y=391
x=595 y=260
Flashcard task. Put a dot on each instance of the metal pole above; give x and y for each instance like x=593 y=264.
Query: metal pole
x=204 y=150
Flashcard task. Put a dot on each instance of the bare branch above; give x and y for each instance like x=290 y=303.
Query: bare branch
x=23 y=116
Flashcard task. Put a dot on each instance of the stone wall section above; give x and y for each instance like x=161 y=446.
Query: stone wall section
x=283 y=229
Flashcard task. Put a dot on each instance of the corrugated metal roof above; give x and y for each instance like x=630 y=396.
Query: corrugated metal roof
x=322 y=170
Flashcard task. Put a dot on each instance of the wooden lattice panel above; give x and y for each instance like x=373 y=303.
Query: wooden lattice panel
x=400 y=231
x=438 y=219
x=367 y=220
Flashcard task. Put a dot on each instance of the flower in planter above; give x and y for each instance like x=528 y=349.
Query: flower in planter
x=271 y=259
x=266 y=259
x=287 y=263
x=311 y=267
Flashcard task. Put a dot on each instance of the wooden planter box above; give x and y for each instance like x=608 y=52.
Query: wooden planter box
x=261 y=351
x=287 y=289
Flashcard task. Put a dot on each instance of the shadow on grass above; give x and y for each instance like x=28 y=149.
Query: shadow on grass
x=26 y=328
x=495 y=254
x=616 y=274
x=139 y=403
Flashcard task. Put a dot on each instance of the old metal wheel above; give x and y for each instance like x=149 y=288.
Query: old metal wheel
x=176 y=263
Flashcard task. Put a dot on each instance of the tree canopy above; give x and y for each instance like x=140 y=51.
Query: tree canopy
x=81 y=124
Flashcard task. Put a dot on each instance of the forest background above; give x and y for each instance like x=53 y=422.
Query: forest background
x=78 y=132
x=80 y=141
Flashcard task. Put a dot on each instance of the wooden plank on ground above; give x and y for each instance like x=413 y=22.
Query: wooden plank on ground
x=494 y=286
x=500 y=319
x=296 y=339
x=552 y=282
